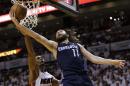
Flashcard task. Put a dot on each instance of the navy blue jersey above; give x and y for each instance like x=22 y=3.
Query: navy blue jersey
x=70 y=59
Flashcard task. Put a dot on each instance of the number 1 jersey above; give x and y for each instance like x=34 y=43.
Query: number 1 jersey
x=70 y=59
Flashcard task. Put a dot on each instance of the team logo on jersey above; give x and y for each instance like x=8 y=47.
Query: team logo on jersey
x=67 y=47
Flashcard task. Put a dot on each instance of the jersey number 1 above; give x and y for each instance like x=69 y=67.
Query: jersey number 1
x=75 y=52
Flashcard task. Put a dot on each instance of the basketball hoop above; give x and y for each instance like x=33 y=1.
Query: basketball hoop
x=31 y=19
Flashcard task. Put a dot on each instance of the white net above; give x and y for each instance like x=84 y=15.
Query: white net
x=31 y=19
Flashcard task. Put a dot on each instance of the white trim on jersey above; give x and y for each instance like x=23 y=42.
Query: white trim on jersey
x=43 y=75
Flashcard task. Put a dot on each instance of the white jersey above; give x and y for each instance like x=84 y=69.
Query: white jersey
x=43 y=75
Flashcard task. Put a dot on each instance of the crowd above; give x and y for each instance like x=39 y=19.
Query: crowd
x=92 y=33
x=100 y=75
x=14 y=77
x=93 y=38
x=104 y=75
x=19 y=76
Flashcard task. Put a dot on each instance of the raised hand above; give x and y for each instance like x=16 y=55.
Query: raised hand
x=15 y=21
x=12 y=16
x=119 y=63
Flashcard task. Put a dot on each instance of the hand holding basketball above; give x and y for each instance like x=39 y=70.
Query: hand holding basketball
x=12 y=14
x=19 y=11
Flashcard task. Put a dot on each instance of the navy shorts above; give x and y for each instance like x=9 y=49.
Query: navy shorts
x=77 y=80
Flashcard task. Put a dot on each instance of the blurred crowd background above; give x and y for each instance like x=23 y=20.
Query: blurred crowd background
x=104 y=32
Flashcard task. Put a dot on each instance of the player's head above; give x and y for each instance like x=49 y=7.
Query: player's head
x=61 y=35
x=39 y=60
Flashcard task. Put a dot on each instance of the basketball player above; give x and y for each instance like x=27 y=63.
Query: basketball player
x=69 y=54
x=44 y=78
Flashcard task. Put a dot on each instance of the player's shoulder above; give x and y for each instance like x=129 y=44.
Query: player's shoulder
x=54 y=44
x=79 y=45
x=76 y=43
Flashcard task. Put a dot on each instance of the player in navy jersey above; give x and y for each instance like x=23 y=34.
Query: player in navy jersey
x=69 y=55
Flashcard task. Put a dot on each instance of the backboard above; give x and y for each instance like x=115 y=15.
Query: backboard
x=68 y=6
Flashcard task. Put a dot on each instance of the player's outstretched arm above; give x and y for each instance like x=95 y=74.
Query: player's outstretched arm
x=100 y=60
x=49 y=44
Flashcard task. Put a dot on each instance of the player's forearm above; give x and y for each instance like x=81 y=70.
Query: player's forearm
x=26 y=31
x=41 y=39
x=100 y=60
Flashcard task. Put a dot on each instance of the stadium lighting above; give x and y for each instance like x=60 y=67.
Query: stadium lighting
x=11 y=52
x=115 y=19
x=42 y=9
x=111 y=18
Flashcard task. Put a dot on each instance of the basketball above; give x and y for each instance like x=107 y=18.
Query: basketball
x=20 y=11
